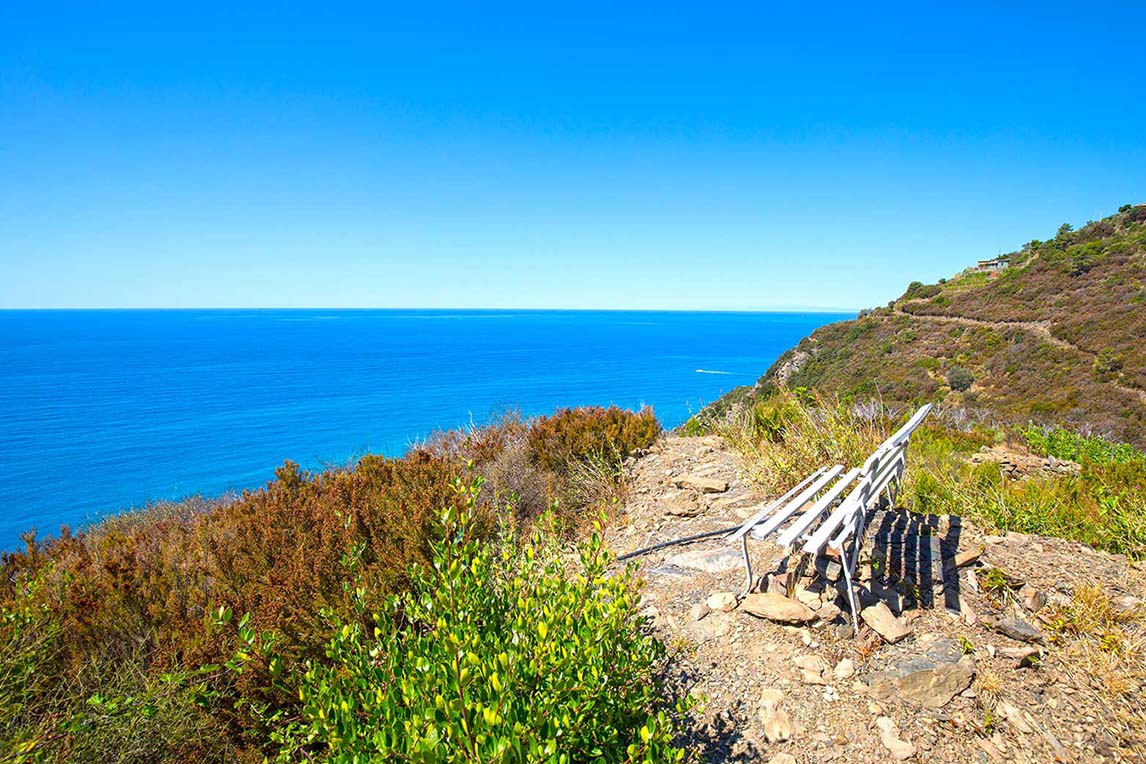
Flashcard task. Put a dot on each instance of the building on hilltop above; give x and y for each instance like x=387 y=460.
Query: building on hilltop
x=995 y=264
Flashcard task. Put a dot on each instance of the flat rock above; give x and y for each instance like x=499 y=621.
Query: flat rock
x=707 y=560
x=698 y=610
x=1020 y=630
x=774 y=720
x=777 y=607
x=700 y=483
x=724 y=601
x=931 y=678
x=899 y=749
x=783 y=758
x=682 y=506
x=716 y=626
x=812 y=668
x=808 y=597
x=1125 y=603
x=829 y=612
x=1024 y=656
x=880 y=618
x=969 y=556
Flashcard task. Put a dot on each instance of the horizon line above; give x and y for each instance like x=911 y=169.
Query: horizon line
x=769 y=309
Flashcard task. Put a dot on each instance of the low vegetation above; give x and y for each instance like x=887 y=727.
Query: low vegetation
x=790 y=433
x=490 y=656
x=110 y=635
x=1056 y=338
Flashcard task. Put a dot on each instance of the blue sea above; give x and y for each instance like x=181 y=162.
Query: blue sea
x=107 y=410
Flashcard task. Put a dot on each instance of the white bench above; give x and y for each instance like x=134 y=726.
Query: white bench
x=839 y=504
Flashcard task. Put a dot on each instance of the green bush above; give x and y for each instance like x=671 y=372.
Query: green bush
x=577 y=434
x=490 y=657
x=1064 y=444
x=1107 y=364
x=960 y=378
x=917 y=290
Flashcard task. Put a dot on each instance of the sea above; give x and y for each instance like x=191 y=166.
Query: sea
x=107 y=410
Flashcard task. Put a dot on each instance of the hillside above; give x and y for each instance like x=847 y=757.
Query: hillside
x=1058 y=336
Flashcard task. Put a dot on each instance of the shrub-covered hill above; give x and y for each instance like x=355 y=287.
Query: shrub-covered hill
x=1058 y=336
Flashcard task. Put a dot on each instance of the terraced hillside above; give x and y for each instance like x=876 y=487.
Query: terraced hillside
x=1058 y=336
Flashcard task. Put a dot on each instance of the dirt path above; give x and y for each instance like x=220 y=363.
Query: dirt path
x=1039 y=328
x=813 y=693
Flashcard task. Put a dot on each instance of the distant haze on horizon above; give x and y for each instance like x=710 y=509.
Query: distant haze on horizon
x=646 y=157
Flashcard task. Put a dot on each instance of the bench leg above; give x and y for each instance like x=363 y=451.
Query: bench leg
x=849 y=567
x=747 y=565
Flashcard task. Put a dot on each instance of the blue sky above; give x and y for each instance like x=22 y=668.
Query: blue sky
x=541 y=155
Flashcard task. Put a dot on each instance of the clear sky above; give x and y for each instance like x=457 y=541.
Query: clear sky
x=699 y=155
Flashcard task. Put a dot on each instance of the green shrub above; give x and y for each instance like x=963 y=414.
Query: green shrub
x=577 y=434
x=917 y=290
x=960 y=379
x=1064 y=444
x=490 y=657
x=1107 y=364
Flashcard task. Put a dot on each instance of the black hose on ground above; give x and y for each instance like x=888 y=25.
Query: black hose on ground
x=674 y=542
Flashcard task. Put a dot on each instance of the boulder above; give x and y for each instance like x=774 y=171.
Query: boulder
x=934 y=688
x=881 y=620
x=702 y=484
x=777 y=607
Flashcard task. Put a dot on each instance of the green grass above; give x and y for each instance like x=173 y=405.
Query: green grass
x=788 y=435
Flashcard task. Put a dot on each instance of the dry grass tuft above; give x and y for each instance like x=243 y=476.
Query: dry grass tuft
x=1103 y=653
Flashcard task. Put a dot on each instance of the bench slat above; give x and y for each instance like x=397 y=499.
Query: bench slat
x=843 y=512
x=750 y=522
x=776 y=520
x=798 y=528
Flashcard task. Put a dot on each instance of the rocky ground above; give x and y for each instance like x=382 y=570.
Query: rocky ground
x=955 y=661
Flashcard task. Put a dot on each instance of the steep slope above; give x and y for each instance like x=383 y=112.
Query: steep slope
x=1058 y=336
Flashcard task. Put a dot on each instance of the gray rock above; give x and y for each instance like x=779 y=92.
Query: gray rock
x=1020 y=630
x=702 y=484
x=828 y=568
x=931 y=678
x=708 y=560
